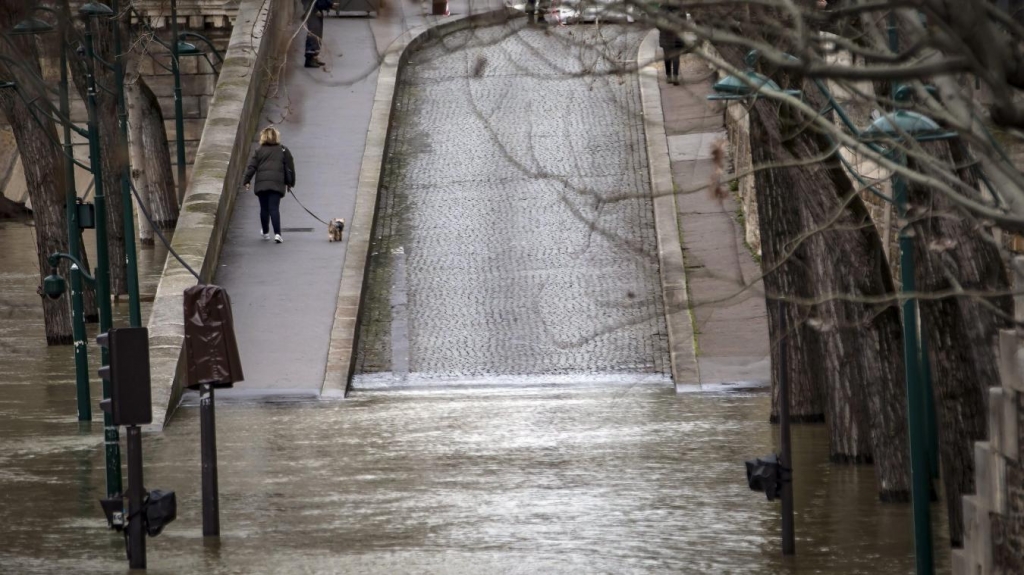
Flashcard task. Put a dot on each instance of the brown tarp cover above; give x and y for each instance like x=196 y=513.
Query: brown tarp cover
x=211 y=353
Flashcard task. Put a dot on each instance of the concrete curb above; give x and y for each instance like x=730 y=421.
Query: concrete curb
x=344 y=333
x=210 y=198
x=682 y=355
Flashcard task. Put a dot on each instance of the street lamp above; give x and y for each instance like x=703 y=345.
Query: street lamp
x=920 y=402
x=742 y=87
x=53 y=287
x=31 y=25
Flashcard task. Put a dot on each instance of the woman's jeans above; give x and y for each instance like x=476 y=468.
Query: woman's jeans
x=270 y=204
x=672 y=63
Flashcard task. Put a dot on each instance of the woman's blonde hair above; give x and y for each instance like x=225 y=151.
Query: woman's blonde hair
x=270 y=135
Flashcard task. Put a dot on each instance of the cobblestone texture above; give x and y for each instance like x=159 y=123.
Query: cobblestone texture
x=516 y=203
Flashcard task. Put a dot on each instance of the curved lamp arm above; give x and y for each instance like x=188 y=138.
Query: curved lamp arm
x=204 y=40
x=54 y=260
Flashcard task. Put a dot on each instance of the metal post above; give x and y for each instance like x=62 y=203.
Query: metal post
x=131 y=256
x=786 y=459
x=136 y=497
x=71 y=201
x=208 y=448
x=81 y=359
x=920 y=476
x=931 y=427
x=112 y=445
x=179 y=114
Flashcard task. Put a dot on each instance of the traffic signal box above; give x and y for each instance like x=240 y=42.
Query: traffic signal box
x=130 y=401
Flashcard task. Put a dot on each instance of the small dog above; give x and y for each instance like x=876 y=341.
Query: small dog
x=335 y=229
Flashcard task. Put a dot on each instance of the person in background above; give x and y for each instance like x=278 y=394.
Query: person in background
x=672 y=44
x=315 y=30
x=273 y=169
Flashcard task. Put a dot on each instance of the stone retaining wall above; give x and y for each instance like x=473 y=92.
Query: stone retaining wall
x=994 y=515
x=219 y=165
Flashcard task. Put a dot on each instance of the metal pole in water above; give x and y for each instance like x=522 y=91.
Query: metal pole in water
x=136 y=533
x=81 y=359
x=786 y=460
x=208 y=448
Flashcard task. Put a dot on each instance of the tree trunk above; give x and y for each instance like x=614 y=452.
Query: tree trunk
x=846 y=358
x=950 y=248
x=37 y=140
x=137 y=151
x=164 y=194
x=786 y=276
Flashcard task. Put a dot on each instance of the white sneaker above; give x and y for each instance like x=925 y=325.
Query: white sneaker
x=278 y=239
x=266 y=236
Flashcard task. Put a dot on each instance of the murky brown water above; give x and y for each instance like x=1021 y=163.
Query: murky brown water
x=612 y=479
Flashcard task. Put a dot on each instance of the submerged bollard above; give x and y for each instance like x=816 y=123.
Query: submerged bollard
x=786 y=461
x=136 y=537
x=773 y=474
x=212 y=361
x=208 y=449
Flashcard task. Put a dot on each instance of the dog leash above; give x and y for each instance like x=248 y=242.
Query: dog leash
x=317 y=218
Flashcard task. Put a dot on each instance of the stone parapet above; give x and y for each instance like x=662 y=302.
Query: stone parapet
x=220 y=162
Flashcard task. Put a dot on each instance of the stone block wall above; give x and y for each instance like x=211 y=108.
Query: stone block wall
x=994 y=515
x=737 y=126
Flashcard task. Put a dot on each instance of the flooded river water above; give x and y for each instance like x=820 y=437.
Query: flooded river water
x=562 y=479
x=609 y=479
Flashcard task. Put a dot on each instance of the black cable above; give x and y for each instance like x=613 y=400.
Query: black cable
x=156 y=229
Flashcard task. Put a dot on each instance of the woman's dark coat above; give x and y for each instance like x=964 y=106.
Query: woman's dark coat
x=268 y=166
x=668 y=40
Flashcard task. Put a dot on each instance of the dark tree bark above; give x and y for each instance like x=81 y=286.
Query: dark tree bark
x=37 y=140
x=951 y=248
x=847 y=353
x=845 y=363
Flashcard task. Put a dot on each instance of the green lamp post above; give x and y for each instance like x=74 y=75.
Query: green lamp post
x=53 y=286
x=110 y=434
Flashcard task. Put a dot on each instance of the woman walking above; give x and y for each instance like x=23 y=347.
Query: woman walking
x=274 y=170
x=672 y=44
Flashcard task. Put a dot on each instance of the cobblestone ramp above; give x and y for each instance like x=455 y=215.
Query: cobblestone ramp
x=515 y=237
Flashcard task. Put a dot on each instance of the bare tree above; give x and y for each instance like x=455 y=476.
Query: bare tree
x=36 y=136
x=818 y=247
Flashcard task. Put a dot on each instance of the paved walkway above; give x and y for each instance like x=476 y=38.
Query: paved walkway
x=731 y=330
x=516 y=238
x=284 y=296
